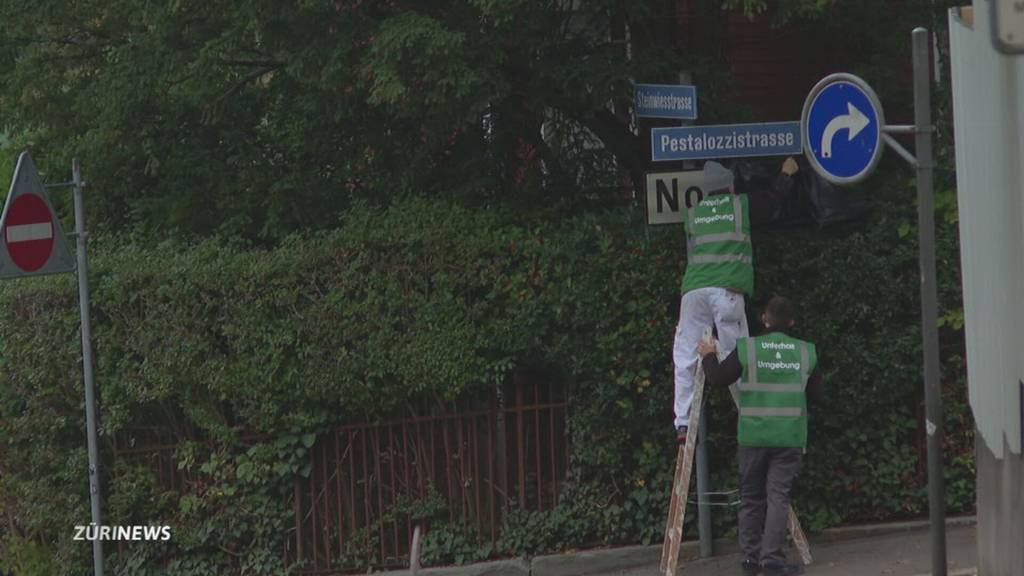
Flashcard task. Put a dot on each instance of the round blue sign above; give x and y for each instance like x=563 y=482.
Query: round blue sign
x=842 y=125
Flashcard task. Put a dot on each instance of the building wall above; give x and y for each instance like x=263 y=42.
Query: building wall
x=772 y=68
x=1000 y=512
x=988 y=121
x=988 y=111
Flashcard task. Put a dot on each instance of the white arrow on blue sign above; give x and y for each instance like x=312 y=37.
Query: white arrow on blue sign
x=665 y=101
x=842 y=128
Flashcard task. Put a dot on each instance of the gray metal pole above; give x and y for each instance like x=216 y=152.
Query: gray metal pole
x=703 y=509
x=929 y=299
x=90 y=391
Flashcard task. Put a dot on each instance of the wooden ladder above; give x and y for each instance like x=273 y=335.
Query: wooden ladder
x=681 y=484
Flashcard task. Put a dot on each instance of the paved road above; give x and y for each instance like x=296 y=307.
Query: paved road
x=899 y=554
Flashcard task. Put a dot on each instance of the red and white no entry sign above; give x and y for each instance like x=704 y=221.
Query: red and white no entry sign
x=31 y=239
x=28 y=232
x=32 y=243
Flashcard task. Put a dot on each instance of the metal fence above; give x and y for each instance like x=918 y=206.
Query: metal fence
x=481 y=459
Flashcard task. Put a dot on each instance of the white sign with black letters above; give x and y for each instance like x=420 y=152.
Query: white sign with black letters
x=669 y=194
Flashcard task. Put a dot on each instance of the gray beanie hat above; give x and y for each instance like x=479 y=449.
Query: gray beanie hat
x=716 y=177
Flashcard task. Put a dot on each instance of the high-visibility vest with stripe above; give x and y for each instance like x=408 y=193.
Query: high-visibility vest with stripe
x=772 y=390
x=718 y=248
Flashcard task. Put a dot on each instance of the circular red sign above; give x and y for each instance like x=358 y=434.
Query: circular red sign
x=29 y=232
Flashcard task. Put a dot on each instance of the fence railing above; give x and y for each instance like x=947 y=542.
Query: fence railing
x=481 y=460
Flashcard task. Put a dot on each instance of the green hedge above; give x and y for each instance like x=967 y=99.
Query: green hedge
x=433 y=300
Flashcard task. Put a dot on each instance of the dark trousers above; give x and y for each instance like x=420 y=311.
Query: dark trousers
x=766 y=478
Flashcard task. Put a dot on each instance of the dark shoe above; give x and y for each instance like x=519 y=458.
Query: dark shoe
x=750 y=568
x=681 y=434
x=782 y=569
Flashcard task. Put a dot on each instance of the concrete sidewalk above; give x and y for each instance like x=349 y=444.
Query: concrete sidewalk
x=889 y=549
x=905 y=553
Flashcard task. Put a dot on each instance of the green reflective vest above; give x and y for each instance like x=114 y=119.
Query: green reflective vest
x=772 y=390
x=718 y=248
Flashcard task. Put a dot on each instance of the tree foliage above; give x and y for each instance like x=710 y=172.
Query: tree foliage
x=256 y=118
x=430 y=301
x=259 y=118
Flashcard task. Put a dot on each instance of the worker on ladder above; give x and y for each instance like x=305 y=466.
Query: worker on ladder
x=719 y=273
x=777 y=373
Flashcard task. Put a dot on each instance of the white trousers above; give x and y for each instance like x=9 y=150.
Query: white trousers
x=700 y=308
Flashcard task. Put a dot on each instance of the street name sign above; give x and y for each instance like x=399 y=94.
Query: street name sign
x=32 y=241
x=669 y=194
x=665 y=101
x=842 y=128
x=725 y=141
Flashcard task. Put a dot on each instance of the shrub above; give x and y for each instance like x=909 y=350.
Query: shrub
x=432 y=300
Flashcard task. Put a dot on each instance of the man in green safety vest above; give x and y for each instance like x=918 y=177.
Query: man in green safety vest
x=777 y=375
x=719 y=272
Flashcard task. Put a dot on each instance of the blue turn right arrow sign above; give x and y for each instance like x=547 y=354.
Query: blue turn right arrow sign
x=842 y=128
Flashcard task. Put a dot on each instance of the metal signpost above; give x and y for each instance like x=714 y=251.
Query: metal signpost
x=676 y=101
x=844 y=128
x=725 y=141
x=90 y=393
x=668 y=194
x=34 y=244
